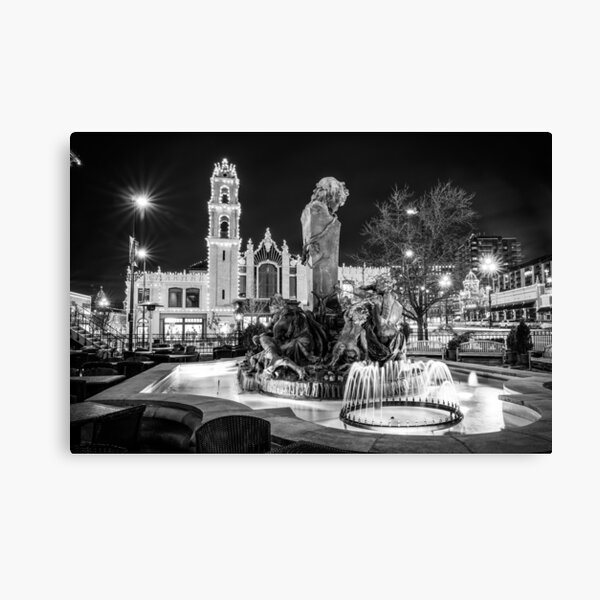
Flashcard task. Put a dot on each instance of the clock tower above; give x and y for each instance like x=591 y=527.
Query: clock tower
x=223 y=238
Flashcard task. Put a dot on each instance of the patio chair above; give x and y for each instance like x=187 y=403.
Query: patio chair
x=99 y=371
x=119 y=429
x=234 y=434
x=96 y=364
x=129 y=368
x=78 y=390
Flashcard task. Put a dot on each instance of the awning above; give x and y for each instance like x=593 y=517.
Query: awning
x=545 y=309
x=512 y=305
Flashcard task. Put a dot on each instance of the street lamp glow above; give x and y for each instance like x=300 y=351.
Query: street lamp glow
x=489 y=265
x=411 y=211
x=409 y=254
x=141 y=200
x=445 y=282
x=142 y=253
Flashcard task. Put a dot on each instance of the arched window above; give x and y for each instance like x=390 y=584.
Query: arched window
x=225 y=195
x=192 y=298
x=267 y=280
x=224 y=227
x=142 y=330
x=175 y=296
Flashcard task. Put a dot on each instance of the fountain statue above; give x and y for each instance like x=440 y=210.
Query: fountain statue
x=321 y=242
x=307 y=353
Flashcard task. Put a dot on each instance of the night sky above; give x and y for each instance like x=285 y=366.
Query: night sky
x=510 y=174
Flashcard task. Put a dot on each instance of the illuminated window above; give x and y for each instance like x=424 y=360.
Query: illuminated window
x=192 y=298
x=267 y=280
x=175 y=297
x=143 y=295
x=224 y=228
x=224 y=195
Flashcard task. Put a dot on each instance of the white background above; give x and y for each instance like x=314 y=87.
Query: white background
x=94 y=527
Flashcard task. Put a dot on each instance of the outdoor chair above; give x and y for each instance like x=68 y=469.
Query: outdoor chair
x=90 y=371
x=97 y=364
x=119 y=429
x=234 y=434
x=130 y=368
x=78 y=390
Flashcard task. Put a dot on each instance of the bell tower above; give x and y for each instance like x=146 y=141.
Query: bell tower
x=223 y=238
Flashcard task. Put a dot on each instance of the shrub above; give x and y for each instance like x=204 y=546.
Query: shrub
x=523 y=338
x=459 y=339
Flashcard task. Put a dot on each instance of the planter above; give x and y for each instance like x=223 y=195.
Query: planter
x=523 y=359
x=511 y=357
x=451 y=353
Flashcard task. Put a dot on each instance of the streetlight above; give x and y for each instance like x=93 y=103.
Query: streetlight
x=409 y=254
x=444 y=283
x=139 y=201
x=489 y=266
x=238 y=313
x=142 y=253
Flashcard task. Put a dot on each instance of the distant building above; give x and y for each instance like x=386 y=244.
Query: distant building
x=80 y=300
x=524 y=291
x=203 y=298
x=537 y=270
x=507 y=251
x=473 y=299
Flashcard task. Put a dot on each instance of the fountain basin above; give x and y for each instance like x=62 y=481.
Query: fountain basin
x=297 y=390
x=493 y=423
x=414 y=413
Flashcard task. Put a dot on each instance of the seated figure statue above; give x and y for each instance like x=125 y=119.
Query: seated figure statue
x=271 y=358
x=352 y=343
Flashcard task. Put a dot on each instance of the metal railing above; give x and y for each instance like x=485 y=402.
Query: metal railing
x=92 y=328
x=540 y=338
x=204 y=345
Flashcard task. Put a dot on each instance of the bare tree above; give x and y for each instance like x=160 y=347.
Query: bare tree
x=418 y=239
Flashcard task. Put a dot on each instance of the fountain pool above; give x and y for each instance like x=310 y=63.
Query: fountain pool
x=482 y=410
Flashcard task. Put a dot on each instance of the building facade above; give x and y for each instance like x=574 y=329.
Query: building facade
x=507 y=251
x=232 y=282
x=524 y=291
x=204 y=298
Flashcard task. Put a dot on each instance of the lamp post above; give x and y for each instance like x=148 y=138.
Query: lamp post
x=238 y=314
x=140 y=201
x=151 y=306
x=142 y=253
x=489 y=265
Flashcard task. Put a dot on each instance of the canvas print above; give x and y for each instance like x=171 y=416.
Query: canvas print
x=317 y=293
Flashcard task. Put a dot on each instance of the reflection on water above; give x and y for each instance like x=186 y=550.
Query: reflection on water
x=483 y=412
